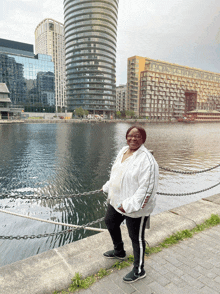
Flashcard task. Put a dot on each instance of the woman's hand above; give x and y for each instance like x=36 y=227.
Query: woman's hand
x=121 y=209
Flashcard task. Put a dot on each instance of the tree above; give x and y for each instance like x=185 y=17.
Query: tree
x=118 y=114
x=81 y=112
x=130 y=113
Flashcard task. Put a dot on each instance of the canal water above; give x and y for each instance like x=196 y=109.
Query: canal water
x=64 y=159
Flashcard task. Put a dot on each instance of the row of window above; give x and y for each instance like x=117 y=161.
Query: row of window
x=90 y=12
x=81 y=18
x=80 y=43
x=99 y=76
x=86 y=68
x=92 y=57
x=95 y=84
x=89 y=28
x=184 y=73
x=80 y=4
x=90 y=90
x=88 y=52
x=91 y=22
x=101 y=34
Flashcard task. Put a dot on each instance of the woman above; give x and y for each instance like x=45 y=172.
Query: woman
x=131 y=196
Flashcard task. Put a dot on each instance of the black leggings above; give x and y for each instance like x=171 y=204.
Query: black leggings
x=136 y=229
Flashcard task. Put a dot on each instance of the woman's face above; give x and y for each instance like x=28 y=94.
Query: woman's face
x=134 y=139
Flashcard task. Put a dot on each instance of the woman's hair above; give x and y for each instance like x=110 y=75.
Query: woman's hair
x=140 y=129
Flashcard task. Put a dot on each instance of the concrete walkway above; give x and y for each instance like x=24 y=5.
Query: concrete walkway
x=192 y=264
x=190 y=267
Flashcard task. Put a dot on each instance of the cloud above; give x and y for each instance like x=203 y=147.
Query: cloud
x=179 y=31
x=52 y=10
x=20 y=18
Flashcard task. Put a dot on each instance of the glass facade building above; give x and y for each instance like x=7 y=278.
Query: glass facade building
x=49 y=39
x=30 y=78
x=90 y=36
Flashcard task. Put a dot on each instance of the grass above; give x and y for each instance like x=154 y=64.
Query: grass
x=79 y=283
x=121 y=264
x=185 y=234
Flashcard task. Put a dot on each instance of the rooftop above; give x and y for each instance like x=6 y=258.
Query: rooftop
x=4 y=88
x=16 y=45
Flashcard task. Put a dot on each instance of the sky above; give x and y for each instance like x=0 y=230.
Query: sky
x=185 y=32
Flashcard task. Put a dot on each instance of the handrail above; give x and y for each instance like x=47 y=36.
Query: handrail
x=55 y=223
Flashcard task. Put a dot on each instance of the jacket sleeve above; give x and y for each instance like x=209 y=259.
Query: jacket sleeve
x=146 y=186
x=106 y=185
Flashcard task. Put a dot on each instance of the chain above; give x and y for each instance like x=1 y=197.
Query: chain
x=25 y=237
x=188 y=172
x=185 y=194
x=17 y=196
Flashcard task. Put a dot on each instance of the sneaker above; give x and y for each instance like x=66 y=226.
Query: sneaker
x=111 y=254
x=132 y=277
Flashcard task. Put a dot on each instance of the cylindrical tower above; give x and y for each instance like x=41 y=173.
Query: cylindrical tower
x=90 y=36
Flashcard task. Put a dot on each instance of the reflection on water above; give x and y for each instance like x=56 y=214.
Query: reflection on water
x=64 y=159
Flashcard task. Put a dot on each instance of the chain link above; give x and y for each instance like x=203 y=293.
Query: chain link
x=186 y=194
x=17 y=196
x=25 y=237
x=188 y=172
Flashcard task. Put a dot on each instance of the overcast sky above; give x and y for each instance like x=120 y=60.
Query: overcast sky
x=186 y=32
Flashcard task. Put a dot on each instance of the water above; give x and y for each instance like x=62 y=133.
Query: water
x=64 y=159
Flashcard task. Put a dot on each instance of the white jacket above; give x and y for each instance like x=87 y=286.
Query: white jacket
x=138 y=184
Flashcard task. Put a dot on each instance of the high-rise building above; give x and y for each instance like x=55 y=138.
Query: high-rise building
x=19 y=70
x=135 y=66
x=49 y=39
x=91 y=35
x=121 y=98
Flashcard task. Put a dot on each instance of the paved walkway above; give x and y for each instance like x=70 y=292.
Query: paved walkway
x=193 y=265
x=189 y=267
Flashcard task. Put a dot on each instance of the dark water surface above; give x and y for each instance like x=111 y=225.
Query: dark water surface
x=64 y=159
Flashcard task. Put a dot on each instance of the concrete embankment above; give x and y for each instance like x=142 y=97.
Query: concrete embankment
x=93 y=121
x=57 y=120
x=48 y=121
x=53 y=270
x=8 y=121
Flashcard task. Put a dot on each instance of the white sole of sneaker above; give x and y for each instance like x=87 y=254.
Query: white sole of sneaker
x=121 y=258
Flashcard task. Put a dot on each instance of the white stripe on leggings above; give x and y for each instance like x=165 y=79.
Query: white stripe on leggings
x=141 y=244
